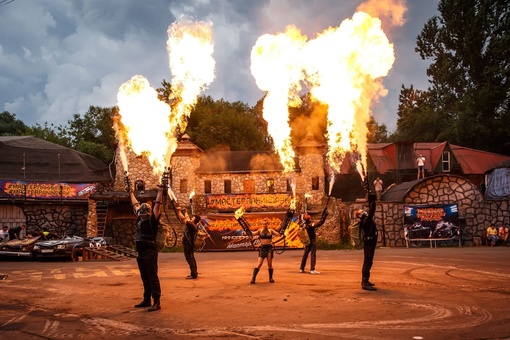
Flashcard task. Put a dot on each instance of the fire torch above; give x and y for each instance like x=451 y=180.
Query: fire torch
x=288 y=216
x=239 y=216
x=165 y=184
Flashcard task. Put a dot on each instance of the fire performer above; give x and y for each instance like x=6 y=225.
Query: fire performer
x=265 y=235
x=311 y=248
x=147 y=248
x=188 y=240
x=369 y=232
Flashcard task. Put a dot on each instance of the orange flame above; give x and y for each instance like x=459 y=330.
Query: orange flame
x=190 y=49
x=277 y=69
x=344 y=66
x=148 y=125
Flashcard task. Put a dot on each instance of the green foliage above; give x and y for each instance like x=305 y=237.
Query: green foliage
x=51 y=133
x=468 y=101
x=10 y=126
x=93 y=133
x=218 y=122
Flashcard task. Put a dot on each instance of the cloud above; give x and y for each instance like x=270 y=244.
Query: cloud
x=59 y=57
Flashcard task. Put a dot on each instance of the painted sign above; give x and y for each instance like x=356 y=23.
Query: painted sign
x=431 y=221
x=224 y=232
x=40 y=190
x=248 y=201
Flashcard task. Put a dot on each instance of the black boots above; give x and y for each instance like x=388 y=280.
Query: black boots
x=144 y=303
x=147 y=303
x=271 y=275
x=255 y=272
x=367 y=285
x=155 y=306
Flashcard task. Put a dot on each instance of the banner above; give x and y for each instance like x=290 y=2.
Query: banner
x=224 y=233
x=40 y=190
x=248 y=201
x=431 y=221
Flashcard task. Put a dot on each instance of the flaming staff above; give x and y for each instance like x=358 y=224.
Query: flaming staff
x=239 y=216
x=128 y=183
x=288 y=217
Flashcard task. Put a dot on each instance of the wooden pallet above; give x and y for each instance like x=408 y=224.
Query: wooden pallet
x=89 y=254
x=123 y=250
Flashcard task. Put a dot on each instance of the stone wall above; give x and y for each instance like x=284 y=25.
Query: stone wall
x=60 y=219
x=477 y=213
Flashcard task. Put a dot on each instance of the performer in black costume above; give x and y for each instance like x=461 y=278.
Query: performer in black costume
x=188 y=240
x=265 y=235
x=369 y=230
x=147 y=248
x=311 y=248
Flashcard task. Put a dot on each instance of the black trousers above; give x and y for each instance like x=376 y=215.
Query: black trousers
x=189 y=254
x=312 y=250
x=368 y=257
x=147 y=261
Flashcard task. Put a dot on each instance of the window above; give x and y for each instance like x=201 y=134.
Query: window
x=139 y=185
x=446 y=161
x=207 y=186
x=184 y=185
x=315 y=183
x=227 y=186
x=289 y=186
x=270 y=185
x=249 y=186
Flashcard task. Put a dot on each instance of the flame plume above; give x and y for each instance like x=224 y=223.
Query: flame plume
x=344 y=66
x=146 y=123
x=276 y=67
x=190 y=47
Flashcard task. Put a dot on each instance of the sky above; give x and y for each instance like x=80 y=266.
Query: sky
x=59 y=57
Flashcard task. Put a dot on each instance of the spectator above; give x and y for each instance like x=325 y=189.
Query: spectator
x=378 y=185
x=4 y=234
x=421 y=166
x=492 y=235
x=503 y=234
x=14 y=233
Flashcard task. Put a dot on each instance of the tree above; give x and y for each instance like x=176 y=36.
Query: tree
x=93 y=133
x=468 y=100
x=213 y=123
x=10 y=125
x=51 y=133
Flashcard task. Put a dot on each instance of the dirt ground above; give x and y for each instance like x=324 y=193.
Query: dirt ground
x=423 y=293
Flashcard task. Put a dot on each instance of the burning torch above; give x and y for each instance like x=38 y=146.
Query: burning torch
x=167 y=191
x=191 y=195
x=239 y=216
x=288 y=216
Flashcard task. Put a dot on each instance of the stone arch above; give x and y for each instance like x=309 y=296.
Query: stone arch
x=443 y=189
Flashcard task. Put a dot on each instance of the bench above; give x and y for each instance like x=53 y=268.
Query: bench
x=432 y=240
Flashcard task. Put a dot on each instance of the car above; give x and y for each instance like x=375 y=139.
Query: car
x=23 y=247
x=64 y=247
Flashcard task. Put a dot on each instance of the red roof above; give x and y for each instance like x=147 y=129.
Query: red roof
x=472 y=161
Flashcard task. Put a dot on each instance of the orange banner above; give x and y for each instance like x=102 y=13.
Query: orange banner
x=248 y=201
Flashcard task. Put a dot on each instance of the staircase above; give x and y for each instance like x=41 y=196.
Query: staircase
x=101 y=213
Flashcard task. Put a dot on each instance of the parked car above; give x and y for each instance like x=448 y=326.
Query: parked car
x=65 y=246
x=23 y=247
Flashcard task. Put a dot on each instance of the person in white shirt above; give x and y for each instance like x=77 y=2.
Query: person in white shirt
x=421 y=166
x=4 y=234
x=378 y=185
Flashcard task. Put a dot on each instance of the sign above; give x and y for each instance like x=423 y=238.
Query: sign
x=225 y=233
x=41 y=190
x=248 y=201
x=431 y=221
